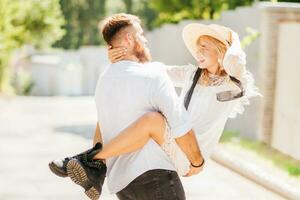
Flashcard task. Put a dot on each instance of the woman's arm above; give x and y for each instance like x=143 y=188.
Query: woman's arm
x=234 y=61
x=97 y=135
x=116 y=54
x=177 y=74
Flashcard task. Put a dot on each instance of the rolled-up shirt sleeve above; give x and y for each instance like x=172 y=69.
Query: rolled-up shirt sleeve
x=165 y=100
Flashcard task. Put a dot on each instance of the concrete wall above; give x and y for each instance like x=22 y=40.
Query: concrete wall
x=279 y=69
x=68 y=72
x=286 y=126
x=273 y=15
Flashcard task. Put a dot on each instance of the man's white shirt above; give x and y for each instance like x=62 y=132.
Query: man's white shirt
x=126 y=91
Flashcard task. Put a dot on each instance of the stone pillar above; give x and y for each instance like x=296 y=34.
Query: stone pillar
x=272 y=15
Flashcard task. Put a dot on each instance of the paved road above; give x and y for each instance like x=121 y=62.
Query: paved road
x=35 y=130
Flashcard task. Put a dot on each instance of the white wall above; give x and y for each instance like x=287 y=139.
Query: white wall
x=68 y=72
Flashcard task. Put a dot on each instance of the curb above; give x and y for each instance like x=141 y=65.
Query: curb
x=254 y=173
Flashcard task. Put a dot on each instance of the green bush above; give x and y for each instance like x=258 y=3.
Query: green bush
x=33 y=22
x=82 y=18
x=173 y=11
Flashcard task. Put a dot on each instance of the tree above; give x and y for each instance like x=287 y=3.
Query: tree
x=82 y=18
x=147 y=14
x=33 y=22
x=140 y=8
x=128 y=4
x=173 y=11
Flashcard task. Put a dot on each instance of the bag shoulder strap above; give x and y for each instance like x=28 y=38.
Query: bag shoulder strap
x=189 y=93
x=237 y=82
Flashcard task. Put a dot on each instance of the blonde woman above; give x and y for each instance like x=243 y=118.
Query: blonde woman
x=213 y=91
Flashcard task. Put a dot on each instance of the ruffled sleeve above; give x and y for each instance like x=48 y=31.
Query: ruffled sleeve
x=238 y=108
x=250 y=91
x=234 y=63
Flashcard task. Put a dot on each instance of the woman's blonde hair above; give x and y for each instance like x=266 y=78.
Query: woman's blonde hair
x=220 y=49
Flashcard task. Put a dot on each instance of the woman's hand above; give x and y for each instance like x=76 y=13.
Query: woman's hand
x=116 y=54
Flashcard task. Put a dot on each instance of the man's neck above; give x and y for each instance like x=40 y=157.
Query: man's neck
x=131 y=58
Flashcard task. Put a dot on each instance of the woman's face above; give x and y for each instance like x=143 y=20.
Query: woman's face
x=207 y=56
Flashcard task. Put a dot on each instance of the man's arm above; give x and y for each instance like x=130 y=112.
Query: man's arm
x=165 y=100
x=176 y=73
x=189 y=145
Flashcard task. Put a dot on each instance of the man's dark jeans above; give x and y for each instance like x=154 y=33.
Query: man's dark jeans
x=155 y=184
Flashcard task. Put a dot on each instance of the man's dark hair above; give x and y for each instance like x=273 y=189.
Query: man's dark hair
x=113 y=24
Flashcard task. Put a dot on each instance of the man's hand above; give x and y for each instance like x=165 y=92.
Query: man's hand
x=194 y=171
x=116 y=54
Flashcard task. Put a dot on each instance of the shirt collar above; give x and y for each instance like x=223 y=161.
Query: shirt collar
x=126 y=63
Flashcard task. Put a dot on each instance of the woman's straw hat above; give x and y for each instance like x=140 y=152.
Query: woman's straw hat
x=193 y=31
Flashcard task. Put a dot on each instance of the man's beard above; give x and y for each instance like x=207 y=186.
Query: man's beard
x=142 y=53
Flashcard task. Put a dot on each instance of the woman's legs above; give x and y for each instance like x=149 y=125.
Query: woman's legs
x=150 y=125
x=97 y=135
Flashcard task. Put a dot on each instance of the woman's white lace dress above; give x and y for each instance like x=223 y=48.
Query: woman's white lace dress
x=207 y=114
